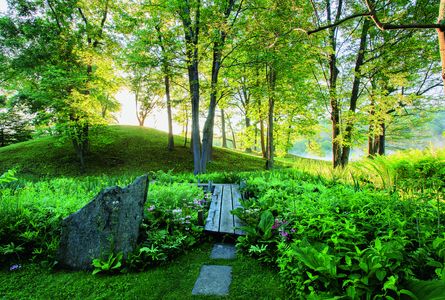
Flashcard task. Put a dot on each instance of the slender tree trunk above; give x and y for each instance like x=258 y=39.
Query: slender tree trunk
x=371 y=150
x=171 y=141
x=233 y=133
x=256 y=135
x=246 y=104
x=207 y=135
x=186 y=128
x=223 y=129
x=333 y=74
x=354 y=96
x=381 y=138
x=104 y=109
x=270 y=141
x=263 y=142
x=249 y=147
x=441 y=37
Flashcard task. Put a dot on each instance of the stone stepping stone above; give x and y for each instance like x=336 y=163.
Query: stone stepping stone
x=213 y=280
x=226 y=251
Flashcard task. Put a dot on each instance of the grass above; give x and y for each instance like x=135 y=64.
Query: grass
x=173 y=280
x=116 y=150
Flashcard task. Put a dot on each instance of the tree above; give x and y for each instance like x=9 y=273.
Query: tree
x=14 y=127
x=148 y=93
x=58 y=55
x=223 y=24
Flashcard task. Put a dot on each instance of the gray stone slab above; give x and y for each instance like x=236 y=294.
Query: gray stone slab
x=213 y=280
x=226 y=251
x=115 y=213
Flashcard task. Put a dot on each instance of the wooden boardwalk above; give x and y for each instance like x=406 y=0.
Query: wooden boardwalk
x=225 y=198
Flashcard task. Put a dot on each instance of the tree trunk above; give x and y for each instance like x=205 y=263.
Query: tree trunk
x=246 y=103
x=376 y=145
x=441 y=37
x=256 y=135
x=381 y=138
x=223 y=129
x=263 y=142
x=270 y=142
x=141 y=119
x=191 y=35
x=171 y=140
x=354 y=96
x=249 y=147
x=80 y=143
x=207 y=136
x=186 y=129
x=195 y=118
x=2 y=137
x=333 y=74
x=233 y=133
x=371 y=150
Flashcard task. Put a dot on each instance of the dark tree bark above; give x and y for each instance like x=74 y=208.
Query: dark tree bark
x=186 y=129
x=354 y=96
x=191 y=35
x=441 y=37
x=223 y=129
x=233 y=133
x=272 y=79
x=165 y=67
x=171 y=140
x=333 y=74
x=246 y=104
x=218 y=45
x=262 y=131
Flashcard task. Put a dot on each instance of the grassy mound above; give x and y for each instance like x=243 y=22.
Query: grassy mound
x=117 y=150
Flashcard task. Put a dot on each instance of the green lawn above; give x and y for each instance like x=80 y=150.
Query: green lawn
x=172 y=280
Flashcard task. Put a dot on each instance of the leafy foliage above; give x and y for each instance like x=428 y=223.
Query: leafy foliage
x=336 y=240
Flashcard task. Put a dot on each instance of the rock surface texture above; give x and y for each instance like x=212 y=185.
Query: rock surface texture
x=114 y=214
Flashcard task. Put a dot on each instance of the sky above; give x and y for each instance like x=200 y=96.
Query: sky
x=127 y=116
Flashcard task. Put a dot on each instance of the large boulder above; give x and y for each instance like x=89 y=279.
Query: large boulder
x=114 y=214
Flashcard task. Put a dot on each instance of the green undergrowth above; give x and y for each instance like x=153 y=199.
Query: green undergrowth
x=348 y=241
x=373 y=230
x=31 y=214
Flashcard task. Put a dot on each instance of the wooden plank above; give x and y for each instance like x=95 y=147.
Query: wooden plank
x=226 y=222
x=236 y=197
x=213 y=218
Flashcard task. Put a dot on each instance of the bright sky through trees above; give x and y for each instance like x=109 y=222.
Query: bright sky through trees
x=3 y=6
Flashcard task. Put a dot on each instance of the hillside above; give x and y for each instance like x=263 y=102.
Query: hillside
x=116 y=150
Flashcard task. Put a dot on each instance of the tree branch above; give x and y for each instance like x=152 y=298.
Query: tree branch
x=371 y=13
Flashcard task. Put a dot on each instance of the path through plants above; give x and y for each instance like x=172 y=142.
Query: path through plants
x=215 y=279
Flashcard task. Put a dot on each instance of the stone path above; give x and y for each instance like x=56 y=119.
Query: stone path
x=215 y=280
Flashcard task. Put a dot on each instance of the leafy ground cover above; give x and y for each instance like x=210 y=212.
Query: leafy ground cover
x=371 y=231
x=352 y=241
